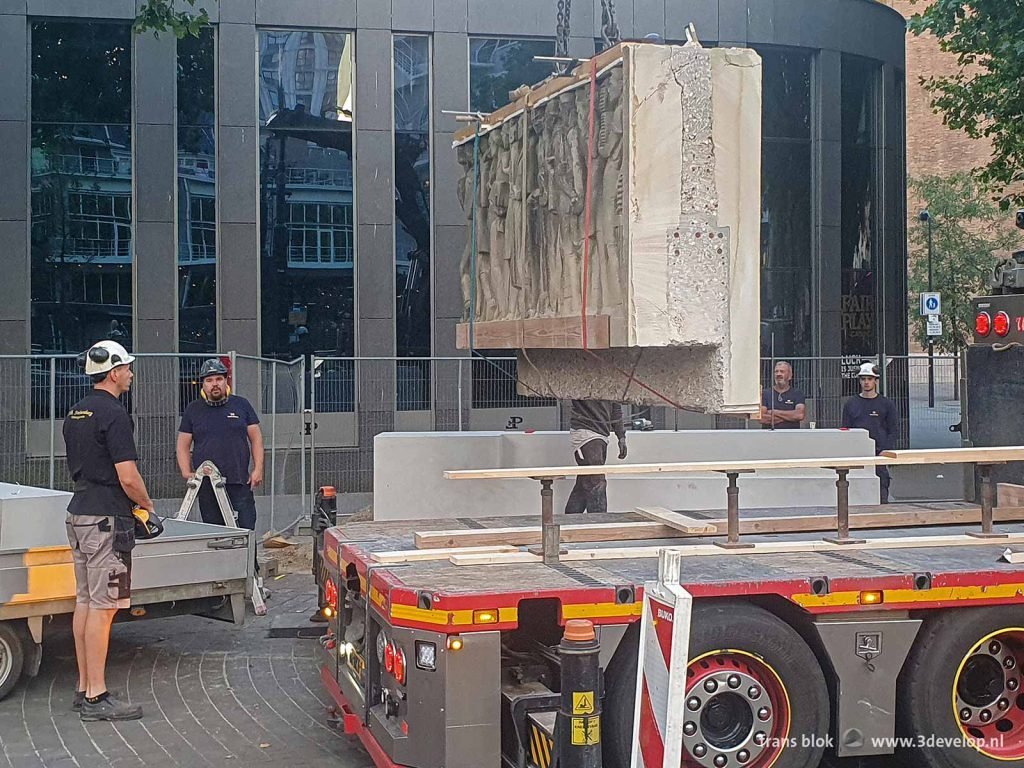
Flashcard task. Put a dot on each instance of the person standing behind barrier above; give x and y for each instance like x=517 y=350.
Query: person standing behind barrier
x=591 y=423
x=102 y=456
x=782 y=405
x=877 y=414
x=222 y=428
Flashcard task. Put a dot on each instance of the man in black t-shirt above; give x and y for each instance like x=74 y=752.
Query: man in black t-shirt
x=591 y=424
x=222 y=428
x=782 y=405
x=101 y=454
x=877 y=414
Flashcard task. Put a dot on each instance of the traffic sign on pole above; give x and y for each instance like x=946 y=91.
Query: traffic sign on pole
x=934 y=326
x=931 y=303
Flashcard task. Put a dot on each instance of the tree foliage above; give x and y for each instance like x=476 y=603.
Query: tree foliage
x=158 y=16
x=984 y=98
x=968 y=231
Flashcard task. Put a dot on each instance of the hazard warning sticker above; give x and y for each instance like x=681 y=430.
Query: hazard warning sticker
x=583 y=702
x=586 y=731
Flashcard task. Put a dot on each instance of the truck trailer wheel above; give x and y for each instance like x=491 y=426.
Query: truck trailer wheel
x=759 y=696
x=961 y=691
x=12 y=658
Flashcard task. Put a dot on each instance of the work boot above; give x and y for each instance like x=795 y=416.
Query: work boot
x=78 y=701
x=110 y=708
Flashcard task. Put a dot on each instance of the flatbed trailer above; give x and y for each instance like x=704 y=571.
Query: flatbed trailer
x=191 y=568
x=913 y=632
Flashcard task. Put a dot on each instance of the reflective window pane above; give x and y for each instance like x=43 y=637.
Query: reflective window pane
x=306 y=194
x=786 y=96
x=859 y=239
x=81 y=232
x=412 y=215
x=498 y=66
x=197 y=195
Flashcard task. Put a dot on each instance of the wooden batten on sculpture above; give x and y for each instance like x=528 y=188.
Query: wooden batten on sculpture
x=670 y=261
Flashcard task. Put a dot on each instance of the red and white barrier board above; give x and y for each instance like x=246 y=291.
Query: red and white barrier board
x=661 y=681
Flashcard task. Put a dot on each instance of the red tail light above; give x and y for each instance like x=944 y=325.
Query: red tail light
x=983 y=324
x=389 y=658
x=331 y=594
x=1001 y=324
x=400 y=666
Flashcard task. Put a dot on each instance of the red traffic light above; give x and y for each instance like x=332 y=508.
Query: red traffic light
x=983 y=324
x=1001 y=324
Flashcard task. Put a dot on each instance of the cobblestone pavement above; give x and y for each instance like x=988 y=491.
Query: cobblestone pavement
x=214 y=695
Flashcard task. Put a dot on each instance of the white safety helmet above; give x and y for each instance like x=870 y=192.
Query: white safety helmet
x=868 y=369
x=104 y=356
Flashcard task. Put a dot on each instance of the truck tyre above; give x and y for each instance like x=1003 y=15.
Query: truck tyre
x=12 y=658
x=757 y=650
x=963 y=683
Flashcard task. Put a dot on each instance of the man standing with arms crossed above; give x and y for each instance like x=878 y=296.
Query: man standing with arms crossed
x=591 y=423
x=877 y=414
x=101 y=455
x=222 y=428
x=783 y=405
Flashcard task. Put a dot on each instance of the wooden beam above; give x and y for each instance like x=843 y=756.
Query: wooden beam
x=763 y=548
x=536 y=333
x=688 y=525
x=887 y=458
x=583 y=534
x=1009 y=495
x=419 y=555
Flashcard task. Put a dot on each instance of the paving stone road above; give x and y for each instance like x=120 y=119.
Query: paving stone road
x=213 y=694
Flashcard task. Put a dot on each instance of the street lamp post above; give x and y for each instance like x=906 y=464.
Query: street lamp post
x=927 y=219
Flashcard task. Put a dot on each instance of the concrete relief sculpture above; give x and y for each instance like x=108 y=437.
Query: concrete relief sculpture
x=665 y=245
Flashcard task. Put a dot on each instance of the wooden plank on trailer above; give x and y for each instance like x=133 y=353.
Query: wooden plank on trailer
x=418 y=555
x=1009 y=495
x=683 y=523
x=872 y=517
x=996 y=455
x=762 y=548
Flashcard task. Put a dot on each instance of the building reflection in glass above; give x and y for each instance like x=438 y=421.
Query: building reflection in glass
x=197 y=195
x=412 y=214
x=786 y=325
x=81 y=166
x=859 y=235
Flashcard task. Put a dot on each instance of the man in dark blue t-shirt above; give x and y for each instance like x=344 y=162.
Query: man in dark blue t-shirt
x=877 y=414
x=782 y=405
x=222 y=428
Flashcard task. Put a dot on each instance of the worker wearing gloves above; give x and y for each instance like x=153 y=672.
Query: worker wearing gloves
x=222 y=428
x=877 y=414
x=101 y=455
x=591 y=423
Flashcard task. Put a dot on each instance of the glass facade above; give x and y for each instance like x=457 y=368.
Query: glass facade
x=412 y=218
x=307 y=250
x=859 y=238
x=81 y=185
x=197 y=195
x=786 y=272
x=497 y=66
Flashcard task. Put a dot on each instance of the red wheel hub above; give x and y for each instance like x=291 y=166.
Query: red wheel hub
x=737 y=712
x=988 y=702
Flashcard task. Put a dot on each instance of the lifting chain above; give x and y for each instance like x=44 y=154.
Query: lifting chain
x=562 y=30
x=609 y=28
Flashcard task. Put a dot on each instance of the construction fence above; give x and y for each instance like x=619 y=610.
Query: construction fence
x=319 y=417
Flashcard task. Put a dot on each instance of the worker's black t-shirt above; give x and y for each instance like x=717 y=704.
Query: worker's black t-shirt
x=875 y=414
x=220 y=434
x=772 y=399
x=98 y=433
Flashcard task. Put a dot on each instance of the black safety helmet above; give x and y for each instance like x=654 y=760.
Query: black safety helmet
x=212 y=367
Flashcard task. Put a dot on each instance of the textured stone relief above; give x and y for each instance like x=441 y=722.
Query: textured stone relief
x=531 y=211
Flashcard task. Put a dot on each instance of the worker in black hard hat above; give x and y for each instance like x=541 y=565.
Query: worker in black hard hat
x=223 y=428
x=877 y=414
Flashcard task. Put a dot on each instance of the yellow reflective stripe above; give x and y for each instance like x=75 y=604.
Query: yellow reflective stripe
x=601 y=610
x=937 y=595
x=446 y=618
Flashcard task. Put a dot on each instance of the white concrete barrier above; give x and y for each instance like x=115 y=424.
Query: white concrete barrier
x=409 y=485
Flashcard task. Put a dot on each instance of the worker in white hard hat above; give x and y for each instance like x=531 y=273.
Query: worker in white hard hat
x=101 y=455
x=877 y=414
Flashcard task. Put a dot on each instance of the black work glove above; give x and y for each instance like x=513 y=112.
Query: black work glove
x=622 y=447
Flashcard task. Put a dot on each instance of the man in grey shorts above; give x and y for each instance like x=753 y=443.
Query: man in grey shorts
x=98 y=433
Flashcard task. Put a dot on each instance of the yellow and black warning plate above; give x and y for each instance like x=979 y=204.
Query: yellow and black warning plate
x=542 y=747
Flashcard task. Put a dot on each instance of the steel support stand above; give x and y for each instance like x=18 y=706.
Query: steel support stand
x=733 y=497
x=843 y=508
x=988 y=494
